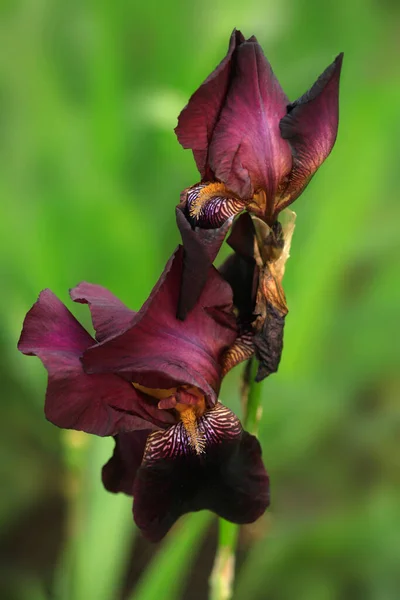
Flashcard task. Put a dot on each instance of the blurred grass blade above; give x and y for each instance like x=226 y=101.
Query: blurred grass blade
x=223 y=573
x=95 y=558
x=166 y=574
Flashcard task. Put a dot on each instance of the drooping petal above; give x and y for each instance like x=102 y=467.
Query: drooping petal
x=119 y=473
x=268 y=341
x=201 y=246
x=197 y=120
x=160 y=351
x=228 y=478
x=110 y=316
x=99 y=404
x=247 y=152
x=310 y=127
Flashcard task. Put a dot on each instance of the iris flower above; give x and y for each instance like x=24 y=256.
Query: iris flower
x=255 y=150
x=152 y=382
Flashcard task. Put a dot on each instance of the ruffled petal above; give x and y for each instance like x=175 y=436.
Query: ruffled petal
x=247 y=152
x=160 y=351
x=110 y=316
x=310 y=127
x=99 y=404
x=228 y=477
x=197 y=120
x=119 y=473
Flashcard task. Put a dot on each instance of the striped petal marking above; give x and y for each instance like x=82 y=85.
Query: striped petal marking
x=242 y=349
x=209 y=205
x=193 y=434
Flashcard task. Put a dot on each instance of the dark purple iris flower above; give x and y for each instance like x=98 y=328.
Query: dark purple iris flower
x=152 y=382
x=255 y=149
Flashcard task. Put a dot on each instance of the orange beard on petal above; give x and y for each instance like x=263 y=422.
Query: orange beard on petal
x=188 y=414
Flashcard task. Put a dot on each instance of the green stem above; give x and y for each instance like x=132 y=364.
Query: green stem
x=253 y=409
x=223 y=573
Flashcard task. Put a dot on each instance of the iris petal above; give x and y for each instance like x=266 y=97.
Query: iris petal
x=310 y=127
x=160 y=351
x=110 y=316
x=228 y=478
x=209 y=205
x=247 y=152
x=201 y=246
x=197 y=120
x=119 y=473
x=99 y=404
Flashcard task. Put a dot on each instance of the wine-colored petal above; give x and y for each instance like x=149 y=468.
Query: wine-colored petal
x=119 y=473
x=160 y=351
x=242 y=276
x=99 y=404
x=201 y=246
x=310 y=127
x=110 y=316
x=228 y=477
x=242 y=236
x=197 y=120
x=247 y=152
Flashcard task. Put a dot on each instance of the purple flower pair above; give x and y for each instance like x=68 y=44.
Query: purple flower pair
x=151 y=379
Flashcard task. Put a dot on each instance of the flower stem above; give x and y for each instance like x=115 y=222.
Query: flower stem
x=253 y=407
x=223 y=573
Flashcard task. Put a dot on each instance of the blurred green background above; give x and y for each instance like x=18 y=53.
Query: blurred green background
x=90 y=172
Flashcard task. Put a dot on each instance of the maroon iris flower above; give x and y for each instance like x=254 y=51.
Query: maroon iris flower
x=255 y=149
x=152 y=382
x=249 y=141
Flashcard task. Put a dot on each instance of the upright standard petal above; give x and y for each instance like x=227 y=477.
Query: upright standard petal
x=99 y=404
x=310 y=127
x=159 y=351
x=197 y=120
x=227 y=476
x=247 y=152
x=110 y=316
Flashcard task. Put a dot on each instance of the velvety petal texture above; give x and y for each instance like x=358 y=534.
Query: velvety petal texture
x=119 y=473
x=162 y=352
x=102 y=404
x=247 y=151
x=227 y=477
x=201 y=246
x=245 y=133
x=310 y=127
x=197 y=120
